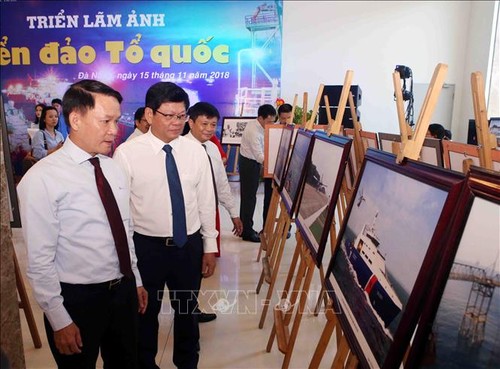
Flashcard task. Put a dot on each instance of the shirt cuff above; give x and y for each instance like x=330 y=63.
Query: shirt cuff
x=138 y=279
x=209 y=245
x=58 y=318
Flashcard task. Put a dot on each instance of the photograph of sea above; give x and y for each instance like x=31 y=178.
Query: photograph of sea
x=466 y=330
x=318 y=190
x=382 y=249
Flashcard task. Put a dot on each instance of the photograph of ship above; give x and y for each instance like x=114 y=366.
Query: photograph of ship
x=283 y=153
x=293 y=176
x=313 y=216
x=466 y=330
x=382 y=247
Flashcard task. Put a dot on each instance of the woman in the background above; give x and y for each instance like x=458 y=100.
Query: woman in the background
x=38 y=113
x=47 y=139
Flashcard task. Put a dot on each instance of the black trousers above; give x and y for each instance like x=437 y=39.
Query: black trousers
x=249 y=183
x=180 y=270
x=107 y=318
x=268 y=193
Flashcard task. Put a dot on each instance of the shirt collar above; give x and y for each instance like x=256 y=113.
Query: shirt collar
x=190 y=136
x=76 y=153
x=158 y=144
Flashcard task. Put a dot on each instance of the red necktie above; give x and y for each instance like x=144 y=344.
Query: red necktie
x=114 y=218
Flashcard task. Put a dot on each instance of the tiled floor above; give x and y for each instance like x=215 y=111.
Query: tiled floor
x=233 y=340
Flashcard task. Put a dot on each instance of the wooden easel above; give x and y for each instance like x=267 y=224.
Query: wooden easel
x=271 y=262
x=266 y=238
x=284 y=311
x=335 y=128
x=485 y=139
x=25 y=305
x=275 y=247
x=343 y=354
x=411 y=148
x=268 y=232
x=345 y=358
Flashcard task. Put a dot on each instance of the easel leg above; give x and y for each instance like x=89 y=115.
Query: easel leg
x=25 y=305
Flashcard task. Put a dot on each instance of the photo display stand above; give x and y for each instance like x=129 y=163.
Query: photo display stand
x=290 y=193
x=460 y=324
x=349 y=349
x=321 y=174
x=486 y=140
x=460 y=157
x=232 y=130
x=269 y=231
x=386 y=253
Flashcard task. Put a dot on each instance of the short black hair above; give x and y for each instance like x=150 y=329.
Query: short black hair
x=285 y=108
x=266 y=110
x=42 y=125
x=163 y=92
x=139 y=113
x=437 y=130
x=203 y=109
x=81 y=96
x=56 y=101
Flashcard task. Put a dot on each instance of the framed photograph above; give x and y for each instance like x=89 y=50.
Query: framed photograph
x=386 y=253
x=272 y=138
x=296 y=170
x=232 y=129
x=322 y=184
x=283 y=154
x=454 y=154
x=371 y=140
x=15 y=218
x=460 y=326
x=431 y=153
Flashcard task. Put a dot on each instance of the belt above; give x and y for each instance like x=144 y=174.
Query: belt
x=112 y=284
x=166 y=241
x=109 y=285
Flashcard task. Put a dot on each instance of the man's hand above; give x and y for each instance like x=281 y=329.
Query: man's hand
x=142 y=298
x=208 y=265
x=68 y=340
x=237 y=226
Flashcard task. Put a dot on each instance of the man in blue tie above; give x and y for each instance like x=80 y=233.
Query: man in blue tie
x=173 y=210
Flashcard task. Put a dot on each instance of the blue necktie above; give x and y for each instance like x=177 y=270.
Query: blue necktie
x=177 y=199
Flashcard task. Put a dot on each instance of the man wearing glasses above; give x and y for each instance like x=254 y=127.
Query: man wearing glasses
x=141 y=124
x=173 y=210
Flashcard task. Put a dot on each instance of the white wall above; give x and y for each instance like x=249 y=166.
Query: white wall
x=323 y=39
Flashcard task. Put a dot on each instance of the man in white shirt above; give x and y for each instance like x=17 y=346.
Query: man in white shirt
x=163 y=257
x=141 y=124
x=81 y=260
x=250 y=166
x=203 y=118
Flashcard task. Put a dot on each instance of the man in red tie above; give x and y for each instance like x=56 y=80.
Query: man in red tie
x=76 y=224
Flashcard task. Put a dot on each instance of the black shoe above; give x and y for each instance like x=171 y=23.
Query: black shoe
x=206 y=317
x=254 y=237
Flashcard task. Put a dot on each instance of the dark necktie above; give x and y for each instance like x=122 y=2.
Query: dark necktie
x=176 y=198
x=213 y=176
x=114 y=218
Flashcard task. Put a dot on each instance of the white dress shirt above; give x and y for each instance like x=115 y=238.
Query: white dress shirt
x=137 y=132
x=66 y=229
x=252 y=142
x=143 y=159
x=224 y=194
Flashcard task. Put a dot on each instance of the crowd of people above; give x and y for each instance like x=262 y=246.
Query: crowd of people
x=105 y=235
